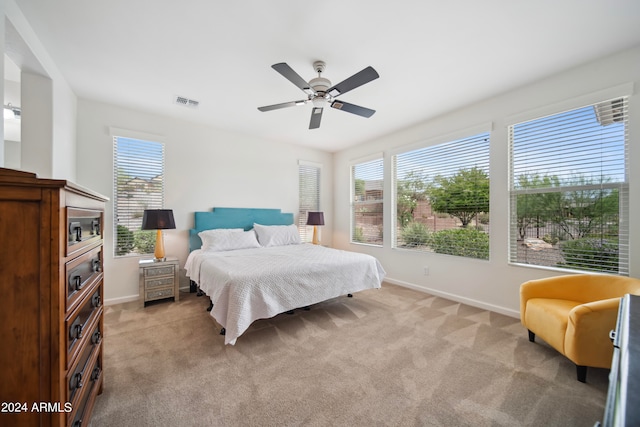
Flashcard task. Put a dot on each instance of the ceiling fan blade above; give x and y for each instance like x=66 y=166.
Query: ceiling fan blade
x=357 y=80
x=283 y=105
x=352 y=108
x=316 y=116
x=288 y=73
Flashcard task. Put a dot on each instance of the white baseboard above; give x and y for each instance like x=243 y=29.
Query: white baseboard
x=497 y=309
x=120 y=300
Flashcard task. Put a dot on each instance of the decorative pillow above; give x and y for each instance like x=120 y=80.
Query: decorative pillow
x=277 y=235
x=228 y=239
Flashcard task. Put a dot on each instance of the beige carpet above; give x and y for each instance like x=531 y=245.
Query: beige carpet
x=388 y=357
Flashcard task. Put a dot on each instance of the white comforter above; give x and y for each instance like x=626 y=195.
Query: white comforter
x=250 y=284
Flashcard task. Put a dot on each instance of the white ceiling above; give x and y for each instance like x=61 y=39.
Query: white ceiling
x=432 y=56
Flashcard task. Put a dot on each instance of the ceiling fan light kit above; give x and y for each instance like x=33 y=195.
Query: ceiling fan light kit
x=320 y=92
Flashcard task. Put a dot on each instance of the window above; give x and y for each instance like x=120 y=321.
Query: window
x=138 y=171
x=309 y=183
x=442 y=198
x=569 y=189
x=367 y=185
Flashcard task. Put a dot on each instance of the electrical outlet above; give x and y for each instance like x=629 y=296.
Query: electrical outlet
x=426 y=271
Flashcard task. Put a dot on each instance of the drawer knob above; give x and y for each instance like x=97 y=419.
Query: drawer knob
x=96 y=373
x=76 y=381
x=76 y=228
x=95 y=227
x=96 y=300
x=75 y=331
x=75 y=282
x=95 y=264
x=96 y=337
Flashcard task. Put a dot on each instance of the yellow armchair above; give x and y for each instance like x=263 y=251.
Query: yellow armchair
x=574 y=314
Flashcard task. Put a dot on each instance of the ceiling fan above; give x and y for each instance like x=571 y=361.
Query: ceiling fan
x=320 y=92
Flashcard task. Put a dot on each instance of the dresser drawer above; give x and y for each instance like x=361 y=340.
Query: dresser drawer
x=80 y=321
x=81 y=273
x=81 y=374
x=81 y=412
x=84 y=228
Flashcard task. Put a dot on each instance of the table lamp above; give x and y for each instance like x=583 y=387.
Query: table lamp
x=315 y=219
x=158 y=219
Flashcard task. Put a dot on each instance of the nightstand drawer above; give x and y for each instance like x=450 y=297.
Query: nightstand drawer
x=154 y=294
x=161 y=282
x=165 y=270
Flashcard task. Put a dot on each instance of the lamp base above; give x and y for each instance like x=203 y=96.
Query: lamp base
x=159 y=252
x=315 y=240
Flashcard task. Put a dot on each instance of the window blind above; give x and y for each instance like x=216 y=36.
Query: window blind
x=309 y=197
x=138 y=185
x=569 y=192
x=367 y=185
x=442 y=198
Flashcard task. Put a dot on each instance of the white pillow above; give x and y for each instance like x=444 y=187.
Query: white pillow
x=227 y=239
x=277 y=235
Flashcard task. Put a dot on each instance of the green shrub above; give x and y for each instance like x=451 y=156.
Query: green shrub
x=144 y=241
x=552 y=240
x=465 y=242
x=590 y=254
x=124 y=242
x=358 y=235
x=415 y=234
x=483 y=217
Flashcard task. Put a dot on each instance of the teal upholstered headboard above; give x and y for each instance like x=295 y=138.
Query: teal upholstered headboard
x=234 y=218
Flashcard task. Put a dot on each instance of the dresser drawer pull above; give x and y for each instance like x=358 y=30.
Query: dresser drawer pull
x=95 y=227
x=96 y=338
x=75 y=331
x=96 y=373
x=76 y=381
x=76 y=228
x=75 y=281
x=96 y=265
x=96 y=300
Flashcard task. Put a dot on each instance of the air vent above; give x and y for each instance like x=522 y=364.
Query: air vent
x=181 y=100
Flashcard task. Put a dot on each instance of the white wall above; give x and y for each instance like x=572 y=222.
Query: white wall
x=205 y=168
x=492 y=284
x=49 y=101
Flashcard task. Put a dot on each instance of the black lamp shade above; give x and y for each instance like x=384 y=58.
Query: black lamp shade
x=158 y=219
x=315 y=218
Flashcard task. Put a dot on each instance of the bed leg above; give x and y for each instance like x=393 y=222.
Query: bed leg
x=200 y=293
x=223 y=331
x=210 y=306
x=350 y=295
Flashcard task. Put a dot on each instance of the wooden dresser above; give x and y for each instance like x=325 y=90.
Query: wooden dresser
x=51 y=290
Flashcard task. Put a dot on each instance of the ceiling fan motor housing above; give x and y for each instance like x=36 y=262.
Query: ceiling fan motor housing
x=320 y=86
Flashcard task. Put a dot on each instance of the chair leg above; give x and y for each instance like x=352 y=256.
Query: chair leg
x=532 y=336
x=582 y=373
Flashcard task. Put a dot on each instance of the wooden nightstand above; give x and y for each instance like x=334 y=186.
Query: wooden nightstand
x=158 y=280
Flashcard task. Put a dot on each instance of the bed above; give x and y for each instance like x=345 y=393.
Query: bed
x=252 y=266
